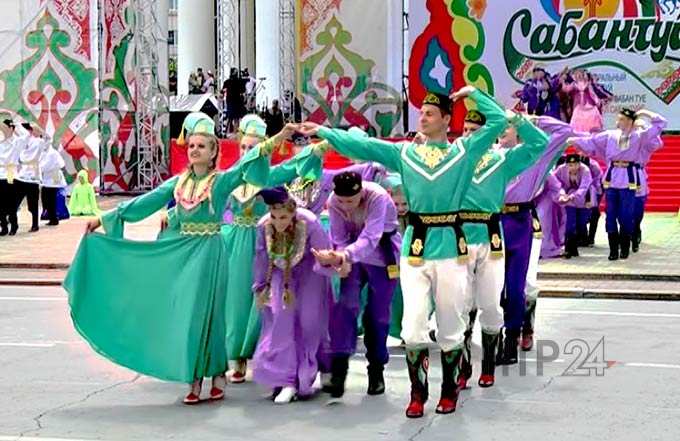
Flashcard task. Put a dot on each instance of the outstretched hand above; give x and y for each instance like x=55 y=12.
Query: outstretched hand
x=92 y=225
x=325 y=257
x=461 y=93
x=309 y=128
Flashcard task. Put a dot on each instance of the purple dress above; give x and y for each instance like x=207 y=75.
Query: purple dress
x=291 y=334
x=552 y=217
x=578 y=186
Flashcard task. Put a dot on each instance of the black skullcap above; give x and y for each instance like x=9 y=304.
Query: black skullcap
x=347 y=184
x=273 y=196
x=437 y=99
x=573 y=158
x=628 y=113
x=475 y=117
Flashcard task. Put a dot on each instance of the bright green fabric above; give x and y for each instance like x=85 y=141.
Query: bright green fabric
x=83 y=201
x=493 y=173
x=427 y=189
x=159 y=307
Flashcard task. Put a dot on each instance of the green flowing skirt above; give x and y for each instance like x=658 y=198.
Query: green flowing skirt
x=242 y=316
x=154 y=307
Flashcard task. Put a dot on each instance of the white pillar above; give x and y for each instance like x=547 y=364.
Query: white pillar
x=267 y=48
x=247 y=30
x=195 y=39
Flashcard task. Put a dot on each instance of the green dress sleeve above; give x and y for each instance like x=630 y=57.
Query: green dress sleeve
x=523 y=156
x=479 y=142
x=305 y=164
x=138 y=208
x=355 y=145
x=252 y=168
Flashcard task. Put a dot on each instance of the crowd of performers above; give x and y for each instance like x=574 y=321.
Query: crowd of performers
x=271 y=263
x=31 y=170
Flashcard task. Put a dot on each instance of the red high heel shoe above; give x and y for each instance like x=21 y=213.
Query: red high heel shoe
x=216 y=393
x=191 y=398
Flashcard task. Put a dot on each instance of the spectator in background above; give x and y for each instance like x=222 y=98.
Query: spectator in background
x=274 y=119
x=194 y=84
x=209 y=84
x=201 y=77
x=172 y=83
x=235 y=88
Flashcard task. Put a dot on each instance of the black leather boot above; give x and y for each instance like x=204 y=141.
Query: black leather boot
x=527 y=340
x=510 y=343
x=376 y=380
x=624 y=242
x=613 y=246
x=636 y=240
x=339 y=368
x=466 y=362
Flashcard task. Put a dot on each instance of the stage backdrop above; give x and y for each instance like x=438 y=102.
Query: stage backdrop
x=632 y=45
x=48 y=73
x=350 y=63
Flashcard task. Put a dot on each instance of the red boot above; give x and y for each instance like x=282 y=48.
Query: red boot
x=489 y=344
x=450 y=367
x=418 y=363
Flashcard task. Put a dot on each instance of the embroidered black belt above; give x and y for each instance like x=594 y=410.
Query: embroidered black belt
x=536 y=223
x=493 y=226
x=385 y=245
x=517 y=208
x=421 y=222
x=633 y=176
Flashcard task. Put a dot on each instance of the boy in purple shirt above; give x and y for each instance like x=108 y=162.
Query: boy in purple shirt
x=366 y=241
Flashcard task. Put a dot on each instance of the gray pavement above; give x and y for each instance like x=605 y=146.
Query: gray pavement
x=55 y=386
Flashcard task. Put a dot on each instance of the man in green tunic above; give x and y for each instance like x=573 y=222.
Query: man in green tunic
x=482 y=207
x=435 y=176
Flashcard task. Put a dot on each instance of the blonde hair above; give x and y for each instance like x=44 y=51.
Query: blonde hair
x=214 y=143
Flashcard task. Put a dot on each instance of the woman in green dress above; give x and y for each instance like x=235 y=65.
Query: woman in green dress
x=244 y=210
x=159 y=307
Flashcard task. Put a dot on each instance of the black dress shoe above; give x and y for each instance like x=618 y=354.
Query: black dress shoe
x=34 y=229
x=4 y=232
x=376 y=382
x=53 y=223
x=13 y=230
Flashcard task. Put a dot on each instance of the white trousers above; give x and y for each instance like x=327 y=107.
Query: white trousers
x=531 y=289
x=485 y=279
x=446 y=280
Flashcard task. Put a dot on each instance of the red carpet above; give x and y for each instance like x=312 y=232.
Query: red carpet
x=664 y=177
x=663 y=169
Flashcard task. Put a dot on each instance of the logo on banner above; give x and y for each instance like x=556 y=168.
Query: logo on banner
x=640 y=33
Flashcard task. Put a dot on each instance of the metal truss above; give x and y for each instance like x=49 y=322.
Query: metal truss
x=228 y=26
x=287 y=48
x=150 y=101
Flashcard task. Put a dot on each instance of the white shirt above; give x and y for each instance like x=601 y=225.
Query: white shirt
x=51 y=163
x=9 y=157
x=29 y=159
